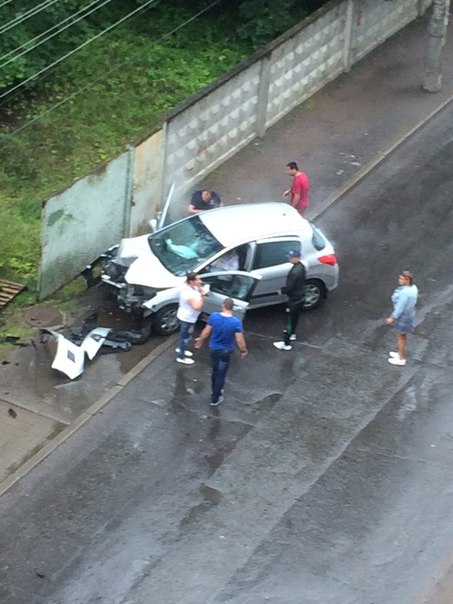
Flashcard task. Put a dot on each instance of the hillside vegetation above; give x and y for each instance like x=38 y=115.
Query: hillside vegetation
x=106 y=95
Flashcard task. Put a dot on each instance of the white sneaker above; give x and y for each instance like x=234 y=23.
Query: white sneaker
x=185 y=361
x=282 y=346
x=187 y=353
x=394 y=355
x=397 y=361
x=293 y=337
x=218 y=402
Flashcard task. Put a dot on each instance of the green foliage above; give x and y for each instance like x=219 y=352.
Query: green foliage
x=20 y=247
x=262 y=20
x=32 y=39
x=110 y=93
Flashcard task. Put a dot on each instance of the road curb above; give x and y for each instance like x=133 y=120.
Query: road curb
x=84 y=417
x=372 y=165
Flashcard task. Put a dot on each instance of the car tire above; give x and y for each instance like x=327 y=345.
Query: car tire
x=315 y=294
x=165 y=321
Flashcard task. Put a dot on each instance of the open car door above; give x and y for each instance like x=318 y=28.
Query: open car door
x=237 y=285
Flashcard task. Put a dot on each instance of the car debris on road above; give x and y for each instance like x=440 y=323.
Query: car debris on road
x=89 y=340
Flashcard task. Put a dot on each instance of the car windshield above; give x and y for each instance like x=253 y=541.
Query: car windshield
x=181 y=247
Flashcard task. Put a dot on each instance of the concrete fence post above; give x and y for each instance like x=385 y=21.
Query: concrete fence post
x=164 y=170
x=348 y=36
x=128 y=193
x=263 y=96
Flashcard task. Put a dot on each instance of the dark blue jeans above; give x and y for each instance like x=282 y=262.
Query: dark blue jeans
x=220 y=361
x=185 y=334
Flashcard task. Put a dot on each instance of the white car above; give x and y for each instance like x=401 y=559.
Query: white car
x=241 y=252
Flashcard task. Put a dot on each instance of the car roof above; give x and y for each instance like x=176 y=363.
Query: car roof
x=233 y=225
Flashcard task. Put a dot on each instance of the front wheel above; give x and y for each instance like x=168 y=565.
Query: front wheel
x=315 y=293
x=165 y=321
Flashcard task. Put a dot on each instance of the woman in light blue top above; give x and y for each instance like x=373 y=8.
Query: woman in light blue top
x=404 y=299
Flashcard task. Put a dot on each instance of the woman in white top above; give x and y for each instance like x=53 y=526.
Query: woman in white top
x=191 y=301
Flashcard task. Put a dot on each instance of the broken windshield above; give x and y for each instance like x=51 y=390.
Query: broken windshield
x=181 y=247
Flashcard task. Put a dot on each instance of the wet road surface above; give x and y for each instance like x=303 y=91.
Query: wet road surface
x=325 y=476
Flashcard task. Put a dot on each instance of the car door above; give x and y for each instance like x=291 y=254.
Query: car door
x=237 y=285
x=270 y=260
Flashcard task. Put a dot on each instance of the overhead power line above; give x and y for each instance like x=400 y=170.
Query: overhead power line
x=104 y=75
x=24 y=16
x=71 y=52
x=59 y=27
x=5 y=3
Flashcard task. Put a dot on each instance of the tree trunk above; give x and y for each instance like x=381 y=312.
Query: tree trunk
x=437 y=30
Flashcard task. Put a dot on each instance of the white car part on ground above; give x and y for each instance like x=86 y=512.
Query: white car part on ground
x=70 y=358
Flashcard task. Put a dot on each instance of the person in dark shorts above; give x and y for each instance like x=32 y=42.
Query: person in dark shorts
x=224 y=331
x=295 y=290
x=404 y=299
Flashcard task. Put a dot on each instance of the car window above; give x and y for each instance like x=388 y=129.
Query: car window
x=232 y=260
x=225 y=262
x=233 y=286
x=273 y=253
x=184 y=245
x=319 y=243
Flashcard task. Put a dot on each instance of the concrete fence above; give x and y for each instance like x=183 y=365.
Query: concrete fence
x=201 y=133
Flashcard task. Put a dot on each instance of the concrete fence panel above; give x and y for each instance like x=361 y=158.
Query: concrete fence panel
x=376 y=20
x=81 y=222
x=306 y=62
x=204 y=134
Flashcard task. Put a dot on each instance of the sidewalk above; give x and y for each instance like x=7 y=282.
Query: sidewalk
x=337 y=137
x=342 y=132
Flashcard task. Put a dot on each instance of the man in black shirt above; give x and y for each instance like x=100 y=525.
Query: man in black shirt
x=204 y=199
x=295 y=290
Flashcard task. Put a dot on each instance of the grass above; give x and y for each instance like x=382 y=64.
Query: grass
x=12 y=322
x=12 y=325
x=122 y=107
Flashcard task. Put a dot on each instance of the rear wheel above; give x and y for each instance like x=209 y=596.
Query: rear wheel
x=165 y=321
x=315 y=293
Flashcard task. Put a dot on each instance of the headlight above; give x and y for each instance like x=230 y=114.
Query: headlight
x=115 y=271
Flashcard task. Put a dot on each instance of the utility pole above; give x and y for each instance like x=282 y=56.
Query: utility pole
x=437 y=31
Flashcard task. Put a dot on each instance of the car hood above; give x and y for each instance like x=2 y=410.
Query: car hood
x=147 y=271
x=131 y=248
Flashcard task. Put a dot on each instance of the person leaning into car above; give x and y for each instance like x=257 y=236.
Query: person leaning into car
x=191 y=301
x=204 y=199
x=295 y=290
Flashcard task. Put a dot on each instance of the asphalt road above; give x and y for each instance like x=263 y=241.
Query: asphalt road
x=326 y=476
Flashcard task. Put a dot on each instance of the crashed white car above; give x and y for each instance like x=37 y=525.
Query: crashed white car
x=146 y=272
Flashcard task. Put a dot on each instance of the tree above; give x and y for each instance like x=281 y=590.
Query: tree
x=262 y=20
x=437 y=30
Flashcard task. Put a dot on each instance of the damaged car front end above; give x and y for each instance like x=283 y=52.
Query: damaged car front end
x=141 y=268
x=135 y=275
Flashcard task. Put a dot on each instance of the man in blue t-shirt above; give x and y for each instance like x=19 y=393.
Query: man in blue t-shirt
x=225 y=331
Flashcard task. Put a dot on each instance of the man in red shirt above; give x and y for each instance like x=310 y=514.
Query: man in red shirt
x=299 y=188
